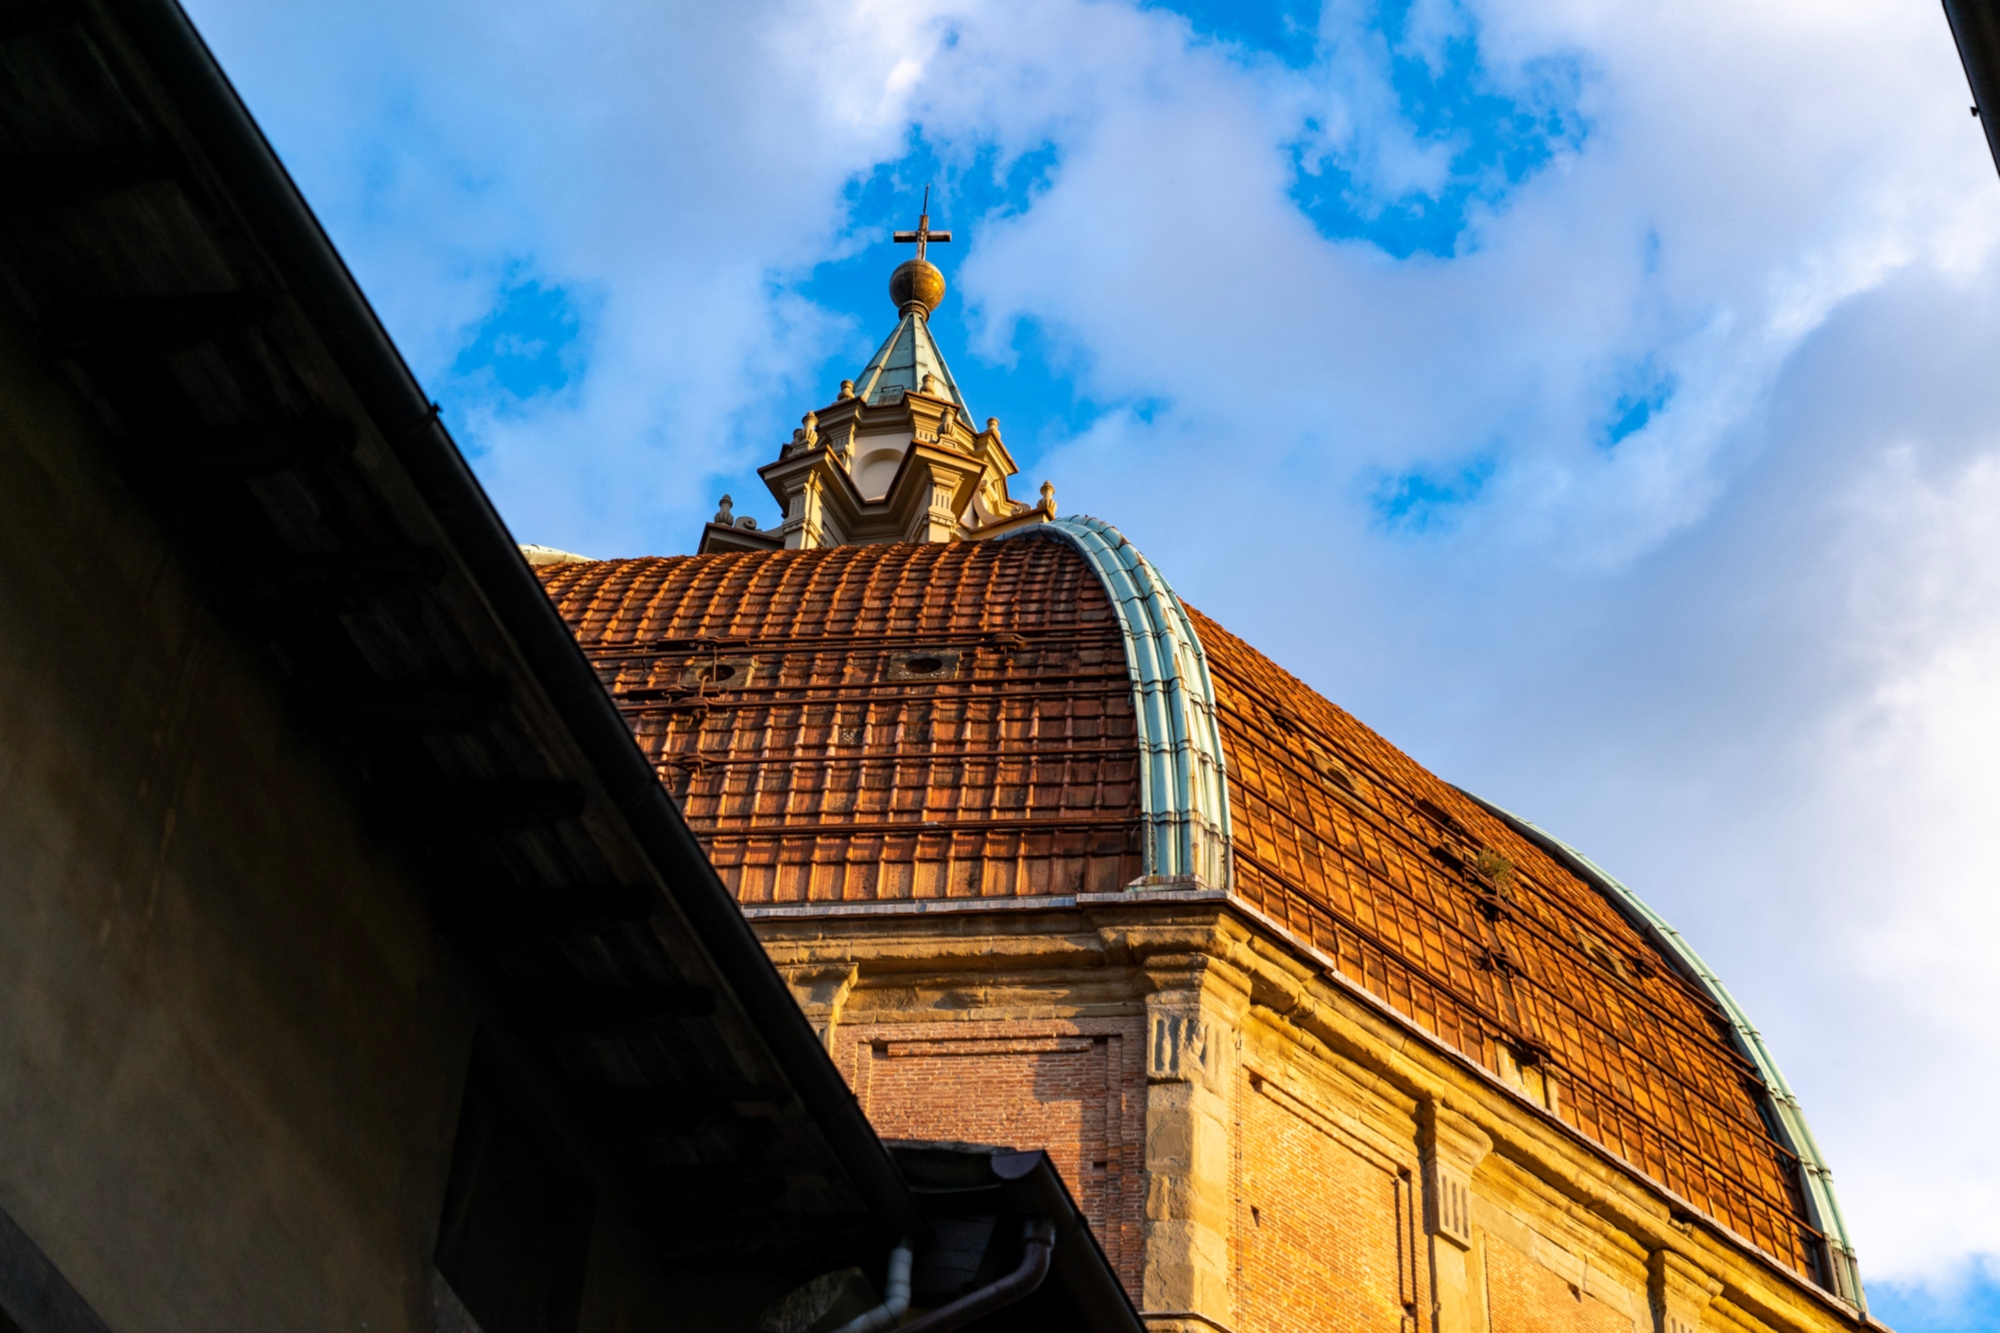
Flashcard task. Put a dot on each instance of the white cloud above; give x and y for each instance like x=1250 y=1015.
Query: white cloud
x=1748 y=658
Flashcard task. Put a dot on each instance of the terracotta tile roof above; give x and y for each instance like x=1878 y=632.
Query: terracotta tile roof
x=877 y=722
x=1349 y=844
x=922 y=721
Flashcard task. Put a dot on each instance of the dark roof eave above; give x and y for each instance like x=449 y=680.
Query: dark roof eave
x=1975 y=26
x=317 y=278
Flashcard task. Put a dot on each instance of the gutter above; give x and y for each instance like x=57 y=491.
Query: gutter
x=1036 y=1190
x=276 y=218
x=890 y=1311
x=1019 y=1189
x=1037 y=1240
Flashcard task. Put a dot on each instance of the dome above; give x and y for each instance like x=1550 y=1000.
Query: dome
x=918 y=281
x=1042 y=717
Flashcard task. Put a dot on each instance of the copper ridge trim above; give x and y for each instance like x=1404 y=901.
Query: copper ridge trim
x=1183 y=778
x=1790 y=1117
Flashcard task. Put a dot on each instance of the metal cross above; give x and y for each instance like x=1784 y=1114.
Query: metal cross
x=923 y=235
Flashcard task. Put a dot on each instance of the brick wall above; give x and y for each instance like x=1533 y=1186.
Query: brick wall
x=1525 y=1297
x=1289 y=1196
x=1326 y=1228
x=1074 y=1089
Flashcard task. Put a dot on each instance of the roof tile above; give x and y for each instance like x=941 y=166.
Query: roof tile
x=1533 y=959
x=878 y=722
x=923 y=721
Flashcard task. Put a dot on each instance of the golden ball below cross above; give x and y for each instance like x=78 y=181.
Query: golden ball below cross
x=917 y=280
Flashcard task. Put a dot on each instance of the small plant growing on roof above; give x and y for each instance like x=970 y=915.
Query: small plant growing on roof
x=1496 y=868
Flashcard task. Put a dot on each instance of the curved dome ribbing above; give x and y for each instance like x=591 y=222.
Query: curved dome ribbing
x=1348 y=845
x=1183 y=791
x=1823 y=1205
x=904 y=723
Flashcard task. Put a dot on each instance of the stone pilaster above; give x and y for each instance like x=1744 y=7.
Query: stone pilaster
x=1452 y=1147
x=822 y=990
x=804 y=527
x=1193 y=1013
x=1681 y=1292
x=939 y=522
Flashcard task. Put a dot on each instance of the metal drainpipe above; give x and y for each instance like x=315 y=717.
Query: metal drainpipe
x=889 y=1311
x=1038 y=1239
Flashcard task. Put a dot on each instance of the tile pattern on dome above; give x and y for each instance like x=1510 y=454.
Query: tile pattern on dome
x=921 y=721
x=877 y=722
x=1441 y=911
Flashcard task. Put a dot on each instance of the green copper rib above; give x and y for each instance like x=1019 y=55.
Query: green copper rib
x=1183 y=784
x=1793 y=1132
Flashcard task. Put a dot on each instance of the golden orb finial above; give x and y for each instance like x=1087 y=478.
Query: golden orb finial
x=917 y=282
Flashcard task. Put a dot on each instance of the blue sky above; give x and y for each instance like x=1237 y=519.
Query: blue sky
x=1596 y=398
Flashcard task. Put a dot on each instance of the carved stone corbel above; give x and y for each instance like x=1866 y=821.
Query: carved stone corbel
x=1177 y=1048
x=1194 y=1007
x=821 y=990
x=1452 y=1148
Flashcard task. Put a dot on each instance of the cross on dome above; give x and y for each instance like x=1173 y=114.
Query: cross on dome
x=916 y=286
x=898 y=456
x=923 y=235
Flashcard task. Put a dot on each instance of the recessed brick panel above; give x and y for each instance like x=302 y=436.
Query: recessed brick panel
x=1073 y=1090
x=1326 y=1233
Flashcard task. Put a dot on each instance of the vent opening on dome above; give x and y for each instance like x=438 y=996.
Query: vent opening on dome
x=1440 y=816
x=717 y=673
x=935 y=664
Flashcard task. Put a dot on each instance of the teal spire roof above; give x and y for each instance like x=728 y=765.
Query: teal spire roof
x=901 y=363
